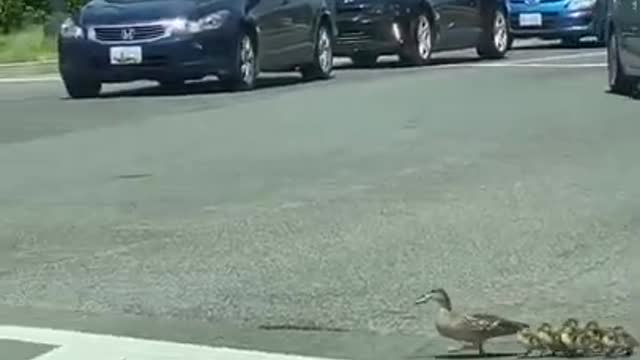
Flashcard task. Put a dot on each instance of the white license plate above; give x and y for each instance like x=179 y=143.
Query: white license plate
x=532 y=19
x=125 y=55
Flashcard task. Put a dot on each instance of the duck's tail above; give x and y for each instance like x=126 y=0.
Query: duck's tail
x=511 y=327
x=506 y=327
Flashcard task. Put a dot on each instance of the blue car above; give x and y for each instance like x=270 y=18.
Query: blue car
x=568 y=20
x=172 y=41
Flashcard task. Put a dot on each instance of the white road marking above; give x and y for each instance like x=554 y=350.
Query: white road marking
x=558 y=57
x=28 y=63
x=345 y=61
x=29 y=79
x=543 y=65
x=74 y=345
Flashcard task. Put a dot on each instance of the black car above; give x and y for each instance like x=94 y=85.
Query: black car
x=171 y=41
x=623 y=46
x=413 y=29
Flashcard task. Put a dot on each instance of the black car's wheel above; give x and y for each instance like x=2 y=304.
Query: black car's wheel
x=619 y=81
x=245 y=70
x=496 y=39
x=419 y=44
x=81 y=87
x=364 y=59
x=510 y=41
x=322 y=66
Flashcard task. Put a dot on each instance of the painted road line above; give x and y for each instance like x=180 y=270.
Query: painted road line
x=544 y=65
x=559 y=57
x=28 y=63
x=29 y=79
x=343 y=61
x=74 y=345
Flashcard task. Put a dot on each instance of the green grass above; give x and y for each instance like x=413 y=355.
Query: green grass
x=29 y=44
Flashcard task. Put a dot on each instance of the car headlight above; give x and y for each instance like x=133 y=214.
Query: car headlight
x=70 y=30
x=581 y=4
x=210 y=22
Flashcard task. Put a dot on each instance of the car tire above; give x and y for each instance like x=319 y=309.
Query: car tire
x=242 y=76
x=496 y=39
x=364 y=59
x=619 y=81
x=418 y=47
x=322 y=66
x=510 y=41
x=81 y=87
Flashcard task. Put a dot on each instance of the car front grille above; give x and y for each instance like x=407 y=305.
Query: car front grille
x=133 y=33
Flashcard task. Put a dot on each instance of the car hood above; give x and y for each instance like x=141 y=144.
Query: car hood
x=107 y=12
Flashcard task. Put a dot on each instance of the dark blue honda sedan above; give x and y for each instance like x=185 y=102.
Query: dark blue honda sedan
x=172 y=41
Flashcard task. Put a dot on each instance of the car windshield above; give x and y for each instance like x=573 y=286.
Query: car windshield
x=319 y=179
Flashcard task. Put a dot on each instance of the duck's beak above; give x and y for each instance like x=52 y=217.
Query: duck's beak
x=423 y=299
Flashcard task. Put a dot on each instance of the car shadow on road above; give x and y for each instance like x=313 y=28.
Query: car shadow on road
x=401 y=65
x=212 y=86
x=558 y=46
x=634 y=96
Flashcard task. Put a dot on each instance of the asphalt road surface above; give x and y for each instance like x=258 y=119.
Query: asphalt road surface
x=306 y=218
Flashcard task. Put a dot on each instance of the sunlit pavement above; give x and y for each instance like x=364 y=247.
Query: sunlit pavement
x=205 y=217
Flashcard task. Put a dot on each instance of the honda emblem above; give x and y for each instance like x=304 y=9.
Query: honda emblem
x=127 y=34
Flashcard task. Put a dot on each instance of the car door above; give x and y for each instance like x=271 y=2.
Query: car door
x=275 y=27
x=469 y=14
x=302 y=12
x=631 y=37
x=623 y=19
x=458 y=19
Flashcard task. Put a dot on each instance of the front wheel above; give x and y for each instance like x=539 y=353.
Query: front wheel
x=322 y=66
x=81 y=87
x=245 y=70
x=417 y=49
x=619 y=81
x=496 y=39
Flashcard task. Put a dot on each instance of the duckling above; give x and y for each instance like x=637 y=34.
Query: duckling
x=569 y=332
x=531 y=342
x=550 y=338
x=571 y=323
x=590 y=338
x=627 y=342
x=611 y=342
x=472 y=329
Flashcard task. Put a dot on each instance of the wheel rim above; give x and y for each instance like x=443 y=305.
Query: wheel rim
x=424 y=37
x=325 y=53
x=500 y=34
x=612 y=58
x=247 y=60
